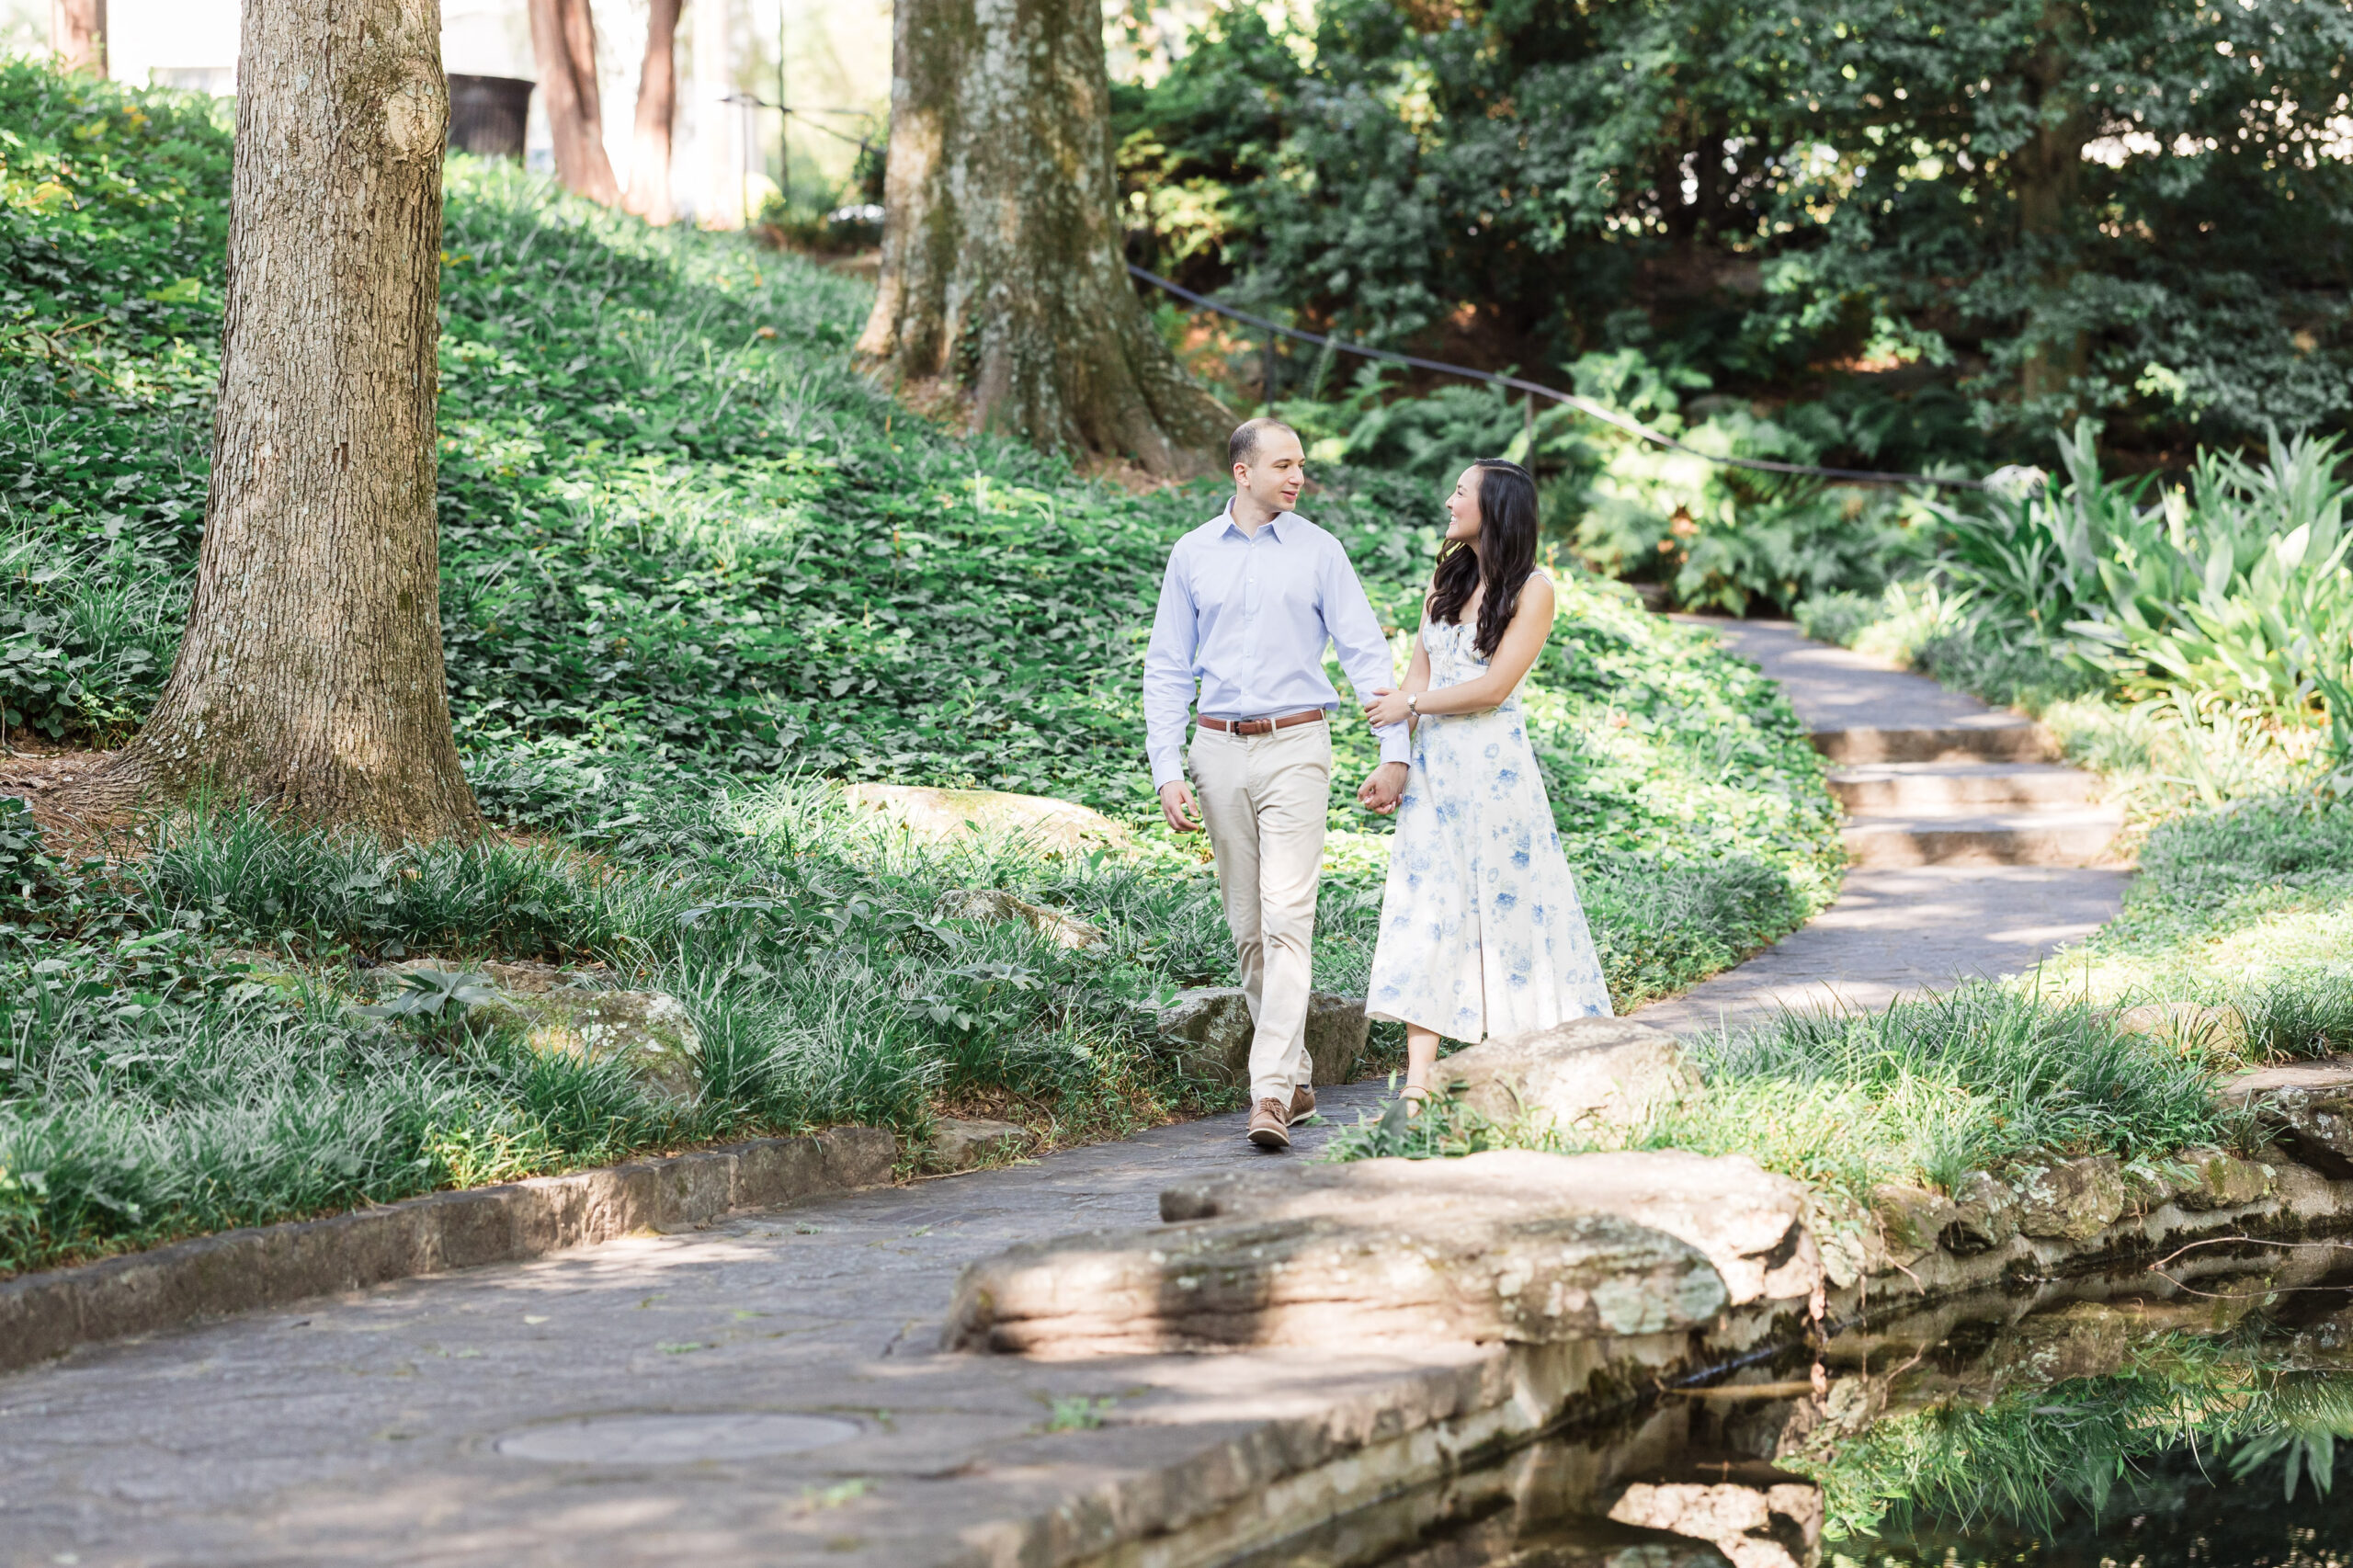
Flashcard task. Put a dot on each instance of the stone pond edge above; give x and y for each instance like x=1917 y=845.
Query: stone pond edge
x=46 y=1314
x=1248 y=1490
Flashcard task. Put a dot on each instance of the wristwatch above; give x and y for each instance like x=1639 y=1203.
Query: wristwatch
x=1413 y=703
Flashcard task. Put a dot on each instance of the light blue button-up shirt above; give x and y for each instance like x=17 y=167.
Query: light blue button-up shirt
x=1246 y=616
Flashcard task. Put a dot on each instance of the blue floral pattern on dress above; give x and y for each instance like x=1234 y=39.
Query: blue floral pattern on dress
x=1481 y=931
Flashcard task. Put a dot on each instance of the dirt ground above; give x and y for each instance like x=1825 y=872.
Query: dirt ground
x=40 y=776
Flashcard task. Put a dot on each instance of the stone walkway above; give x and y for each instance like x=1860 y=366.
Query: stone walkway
x=768 y=1391
x=1899 y=929
x=558 y=1412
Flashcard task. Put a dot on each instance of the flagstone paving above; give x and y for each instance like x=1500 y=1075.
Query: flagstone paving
x=528 y=1413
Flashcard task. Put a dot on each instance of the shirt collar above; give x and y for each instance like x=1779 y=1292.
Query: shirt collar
x=1280 y=521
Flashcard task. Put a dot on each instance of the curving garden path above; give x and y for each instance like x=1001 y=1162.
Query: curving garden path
x=768 y=1391
x=1978 y=856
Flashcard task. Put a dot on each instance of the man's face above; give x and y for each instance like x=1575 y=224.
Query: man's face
x=1275 y=472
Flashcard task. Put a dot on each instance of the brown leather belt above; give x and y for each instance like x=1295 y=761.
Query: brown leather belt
x=1261 y=726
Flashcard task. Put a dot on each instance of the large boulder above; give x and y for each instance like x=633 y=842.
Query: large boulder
x=996 y=906
x=2307 y=1107
x=963 y=1144
x=1906 y=1223
x=1583 y=1073
x=942 y=816
x=2073 y=1201
x=1316 y=1281
x=1207 y=1029
x=649 y=1031
x=528 y=977
x=2208 y=1180
x=1987 y=1215
x=1749 y=1223
x=1337 y=1030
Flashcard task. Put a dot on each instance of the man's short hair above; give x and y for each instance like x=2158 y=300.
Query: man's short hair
x=1243 y=444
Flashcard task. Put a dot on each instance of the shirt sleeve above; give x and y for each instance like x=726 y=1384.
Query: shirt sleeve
x=1364 y=652
x=1168 y=672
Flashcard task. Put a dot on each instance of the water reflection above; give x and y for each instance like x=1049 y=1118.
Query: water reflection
x=2186 y=1511
x=2138 y=1420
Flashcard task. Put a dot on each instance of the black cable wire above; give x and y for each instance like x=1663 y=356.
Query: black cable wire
x=756 y=101
x=1583 y=406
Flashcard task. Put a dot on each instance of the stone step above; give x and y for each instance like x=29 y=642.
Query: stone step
x=1920 y=788
x=2081 y=837
x=2003 y=737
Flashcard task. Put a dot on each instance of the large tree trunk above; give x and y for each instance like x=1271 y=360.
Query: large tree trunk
x=77 y=34
x=2049 y=172
x=563 y=40
x=657 y=110
x=1001 y=266
x=311 y=674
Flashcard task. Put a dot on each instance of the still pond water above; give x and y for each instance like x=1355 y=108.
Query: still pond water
x=2144 y=1419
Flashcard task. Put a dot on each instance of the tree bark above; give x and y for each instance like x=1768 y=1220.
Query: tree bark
x=563 y=40
x=2049 y=175
x=77 y=34
x=1001 y=265
x=310 y=676
x=657 y=110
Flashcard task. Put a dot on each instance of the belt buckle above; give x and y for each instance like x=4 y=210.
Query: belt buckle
x=1254 y=727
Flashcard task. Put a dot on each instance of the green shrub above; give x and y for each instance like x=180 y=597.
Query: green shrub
x=2233 y=589
x=1837 y=618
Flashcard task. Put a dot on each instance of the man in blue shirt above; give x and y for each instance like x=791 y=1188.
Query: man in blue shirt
x=1250 y=600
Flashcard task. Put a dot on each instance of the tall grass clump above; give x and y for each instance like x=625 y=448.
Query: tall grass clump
x=1932 y=1088
x=1938 y=1086
x=147 y=1090
x=179 y=1047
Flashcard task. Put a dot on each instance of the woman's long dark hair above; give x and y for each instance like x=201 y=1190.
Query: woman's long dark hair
x=1506 y=554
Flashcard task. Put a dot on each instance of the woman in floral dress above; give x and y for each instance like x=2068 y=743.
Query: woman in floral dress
x=1481 y=931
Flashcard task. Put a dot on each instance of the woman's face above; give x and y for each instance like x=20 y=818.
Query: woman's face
x=1462 y=508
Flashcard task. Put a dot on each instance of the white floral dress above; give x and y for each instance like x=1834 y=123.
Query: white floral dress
x=1481 y=931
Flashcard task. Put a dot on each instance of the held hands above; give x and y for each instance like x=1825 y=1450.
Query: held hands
x=1176 y=803
x=1383 y=788
x=1387 y=707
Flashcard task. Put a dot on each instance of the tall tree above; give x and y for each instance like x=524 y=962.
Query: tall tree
x=77 y=34
x=310 y=674
x=657 y=108
x=2001 y=211
x=1001 y=262
x=563 y=40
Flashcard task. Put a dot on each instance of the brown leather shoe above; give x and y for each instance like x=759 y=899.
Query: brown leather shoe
x=1271 y=1124
x=1302 y=1104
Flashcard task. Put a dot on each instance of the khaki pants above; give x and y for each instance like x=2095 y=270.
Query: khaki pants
x=1263 y=800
